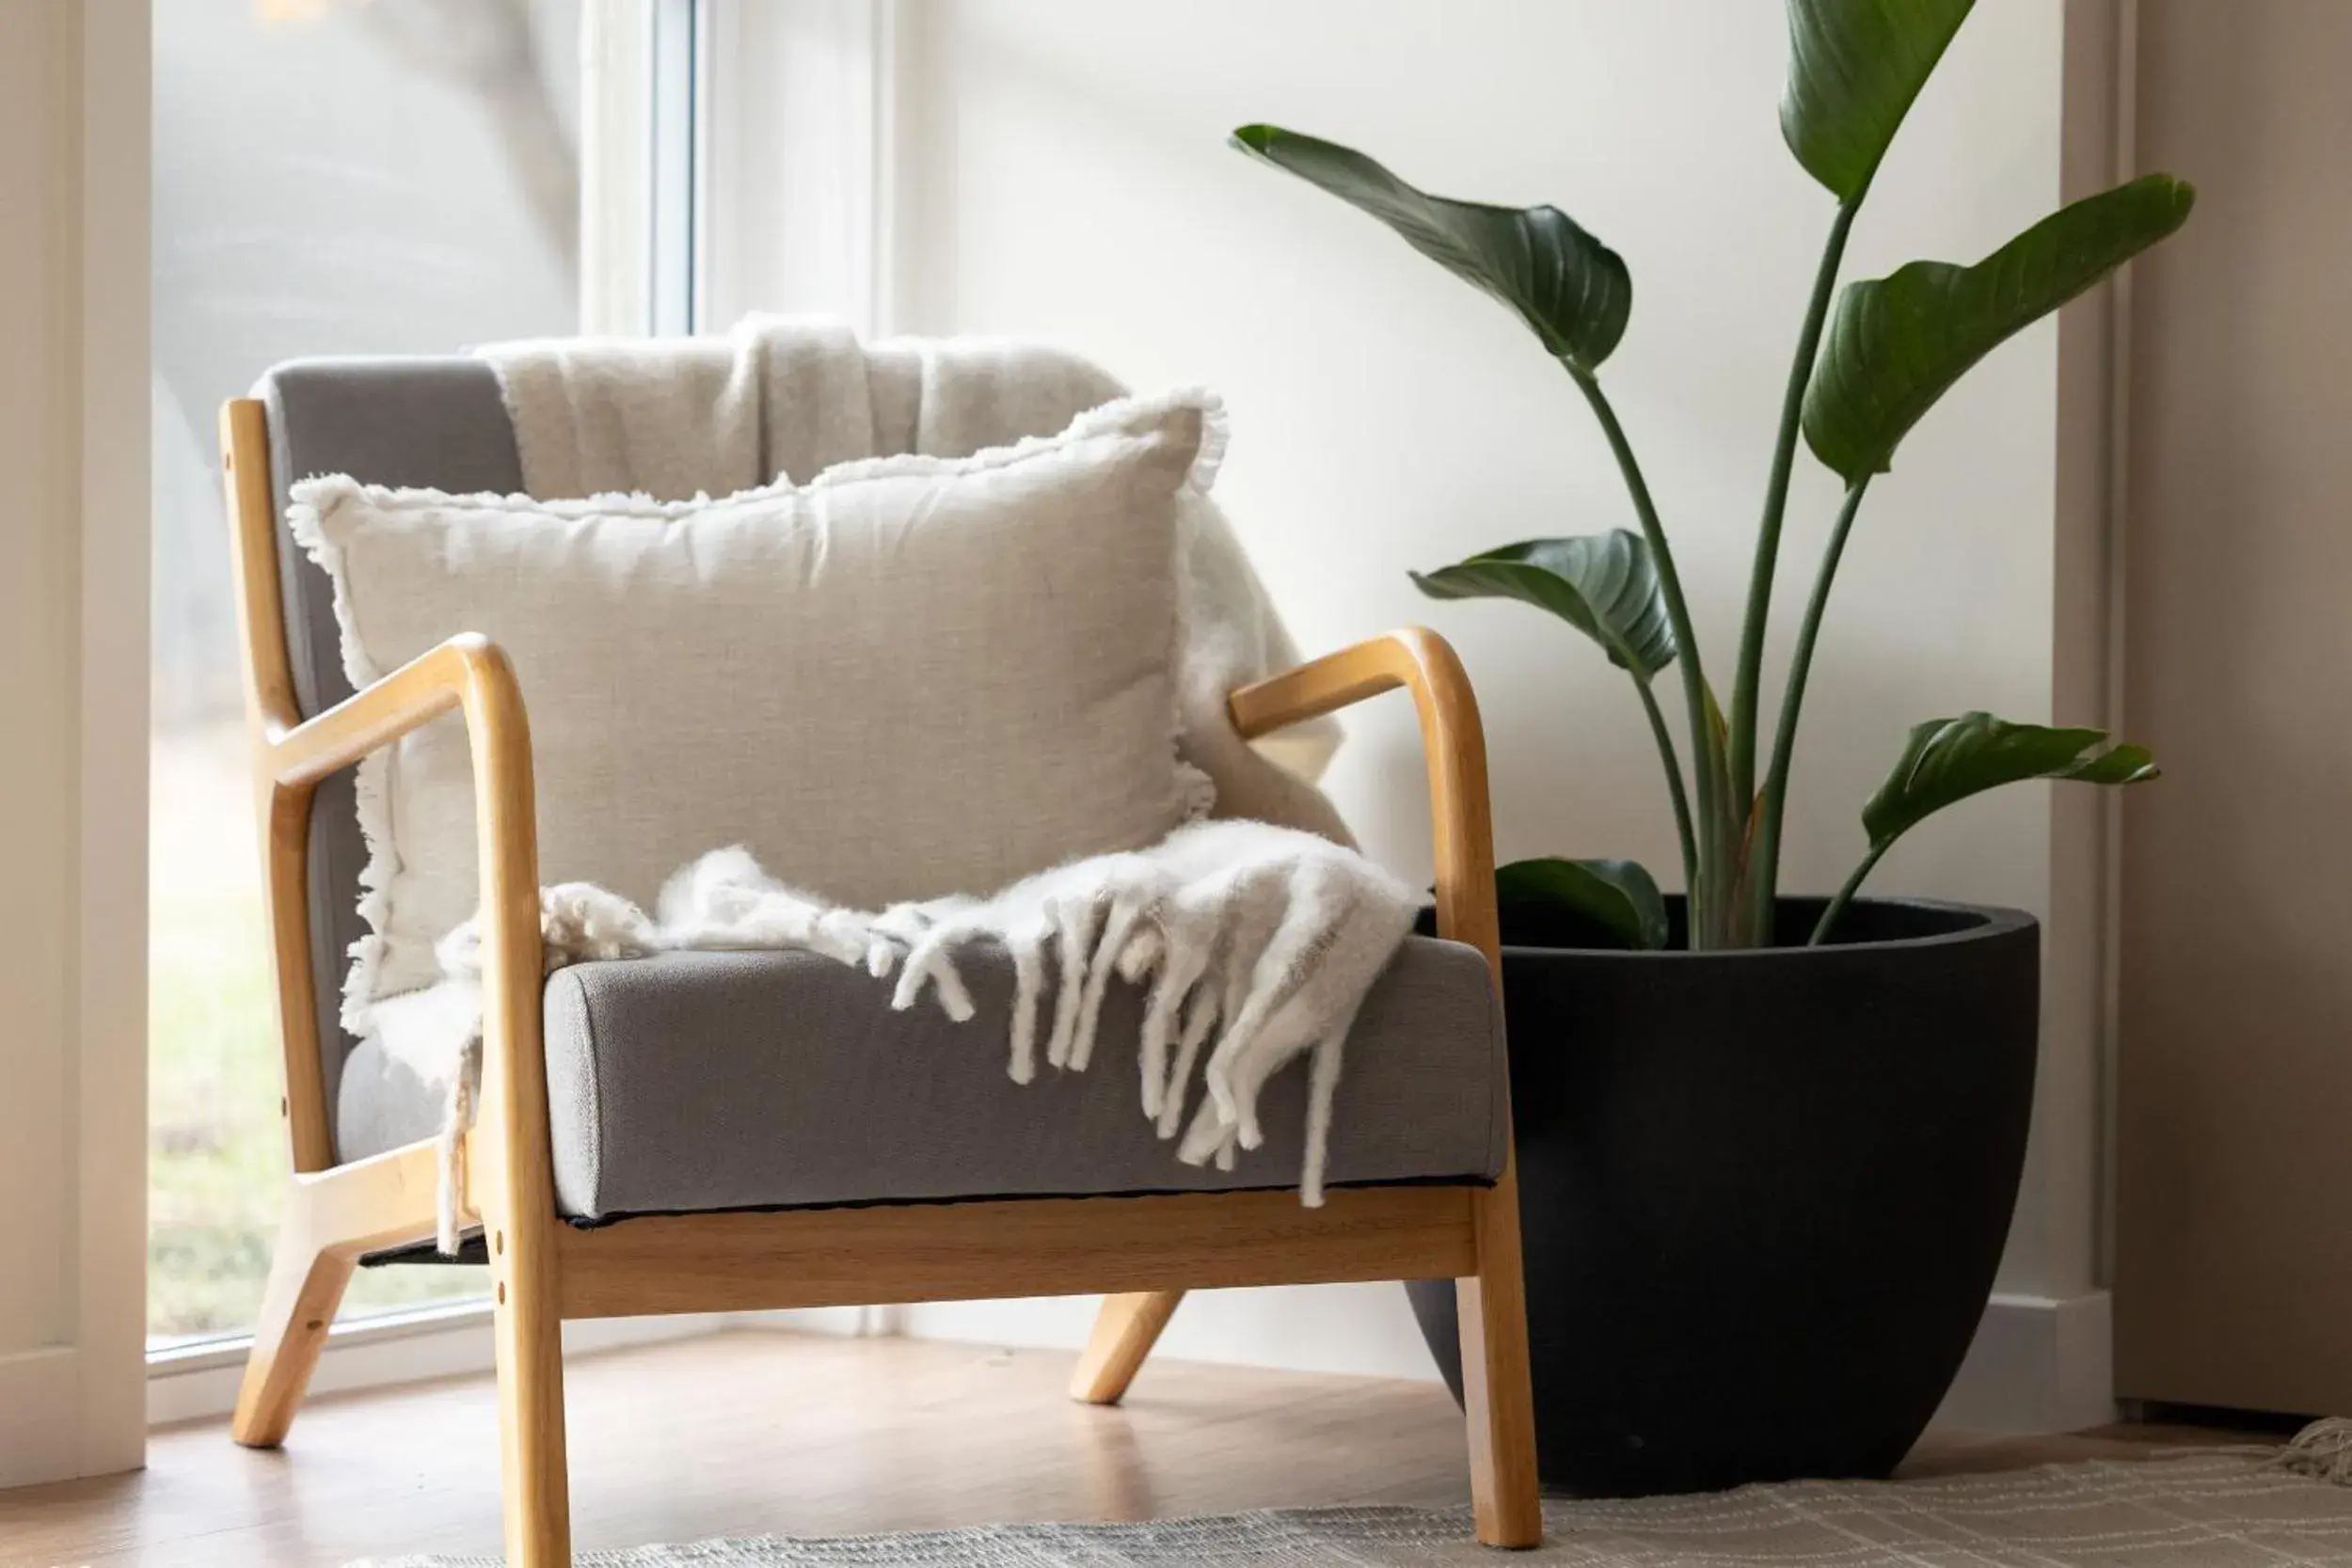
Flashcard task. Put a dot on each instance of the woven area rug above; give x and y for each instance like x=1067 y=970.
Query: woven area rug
x=2210 y=1510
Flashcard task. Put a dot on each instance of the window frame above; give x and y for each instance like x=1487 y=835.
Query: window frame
x=641 y=65
x=711 y=132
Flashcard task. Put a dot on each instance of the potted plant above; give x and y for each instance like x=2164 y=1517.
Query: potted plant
x=1768 y=1145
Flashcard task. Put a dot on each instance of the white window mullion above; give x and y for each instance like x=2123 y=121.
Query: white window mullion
x=678 y=64
x=737 y=156
x=641 y=151
x=799 y=102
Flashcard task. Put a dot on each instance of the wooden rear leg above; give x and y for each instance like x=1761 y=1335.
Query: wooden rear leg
x=331 y=1218
x=305 y=1284
x=1125 y=1332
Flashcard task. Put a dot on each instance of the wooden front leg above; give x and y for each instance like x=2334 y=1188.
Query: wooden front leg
x=1497 y=1395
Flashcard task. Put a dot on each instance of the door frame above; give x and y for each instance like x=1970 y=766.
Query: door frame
x=72 y=1372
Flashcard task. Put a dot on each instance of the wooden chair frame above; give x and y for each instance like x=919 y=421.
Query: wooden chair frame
x=543 y=1271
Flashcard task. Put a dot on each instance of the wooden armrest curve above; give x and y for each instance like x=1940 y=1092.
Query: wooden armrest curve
x=472 y=676
x=1452 y=737
x=467 y=671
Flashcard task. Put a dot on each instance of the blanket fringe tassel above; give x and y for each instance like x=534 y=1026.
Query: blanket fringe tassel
x=2322 y=1450
x=1255 y=944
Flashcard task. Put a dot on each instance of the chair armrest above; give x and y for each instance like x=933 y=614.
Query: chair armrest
x=1451 y=738
x=472 y=674
x=468 y=672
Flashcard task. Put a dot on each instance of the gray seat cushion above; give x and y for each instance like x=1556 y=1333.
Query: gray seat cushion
x=704 y=1081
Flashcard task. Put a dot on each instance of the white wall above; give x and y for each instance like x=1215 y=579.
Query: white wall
x=73 y=708
x=1061 y=170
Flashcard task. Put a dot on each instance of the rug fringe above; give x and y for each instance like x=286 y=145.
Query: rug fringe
x=2322 y=1450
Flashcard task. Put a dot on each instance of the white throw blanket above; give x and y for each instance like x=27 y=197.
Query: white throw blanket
x=1256 y=944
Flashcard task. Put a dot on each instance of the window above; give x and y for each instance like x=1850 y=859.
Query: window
x=330 y=177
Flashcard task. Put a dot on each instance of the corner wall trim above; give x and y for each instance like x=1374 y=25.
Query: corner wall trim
x=2039 y=1364
x=35 y=1385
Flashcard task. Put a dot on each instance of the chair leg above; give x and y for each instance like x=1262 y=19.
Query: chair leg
x=1497 y=1395
x=305 y=1284
x=1125 y=1332
x=535 y=1482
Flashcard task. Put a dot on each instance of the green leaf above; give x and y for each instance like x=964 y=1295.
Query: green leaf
x=1573 y=290
x=1618 y=894
x=1947 y=760
x=1855 y=66
x=1605 y=585
x=1899 y=343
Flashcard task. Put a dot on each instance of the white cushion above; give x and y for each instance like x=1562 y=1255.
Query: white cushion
x=910 y=677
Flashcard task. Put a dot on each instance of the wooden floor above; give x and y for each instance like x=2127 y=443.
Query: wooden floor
x=751 y=1433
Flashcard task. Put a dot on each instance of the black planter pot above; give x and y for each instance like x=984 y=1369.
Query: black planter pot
x=1762 y=1193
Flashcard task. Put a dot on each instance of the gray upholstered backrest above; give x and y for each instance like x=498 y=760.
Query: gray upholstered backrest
x=442 y=422
x=426 y=422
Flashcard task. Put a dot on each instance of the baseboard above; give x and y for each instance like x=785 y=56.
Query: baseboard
x=1364 y=1330
x=38 y=1393
x=200 y=1382
x=2039 y=1364
x=843 y=1322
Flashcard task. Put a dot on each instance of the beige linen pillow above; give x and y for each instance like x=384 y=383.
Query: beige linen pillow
x=910 y=677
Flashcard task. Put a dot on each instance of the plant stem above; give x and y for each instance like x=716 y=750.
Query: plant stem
x=1764 y=860
x=1673 y=782
x=1747 y=683
x=1845 y=895
x=1703 y=751
x=1724 y=843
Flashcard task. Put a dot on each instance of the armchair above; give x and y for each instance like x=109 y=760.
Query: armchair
x=1437 y=1198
